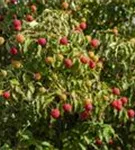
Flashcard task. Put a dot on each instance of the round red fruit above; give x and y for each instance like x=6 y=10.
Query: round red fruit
x=116 y=91
x=83 y=25
x=42 y=41
x=33 y=8
x=13 y=51
x=84 y=59
x=95 y=43
x=88 y=107
x=92 y=64
x=16 y=22
x=14 y=1
x=29 y=18
x=84 y=115
x=124 y=100
x=64 y=41
x=131 y=113
x=6 y=94
x=117 y=104
x=17 y=28
x=55 y=113
x=67 y=107
x=68 y=63
x=98 y=142
x=111 y=142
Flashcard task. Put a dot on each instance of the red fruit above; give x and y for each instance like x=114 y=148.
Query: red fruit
x=6 y=95
x=29 y=18
x=84 y=115
x=88 y=107
x=83 y=25
x=116 y=91
x=84 y=59
x=17 y=28
x=42 y=41
x=64 y=41
x=13 y=51
x=55 y=113
x=17 y=23
x=117 y=104
x=124 y=100
x=111 y=142
x=131 y=113
x=20 y=38
x=14 y=1
x=98 y=142
x=68 y=63
x=1 y=18
x=33 y=8
x=95 y=43
x=92 y=64
x=67 y=107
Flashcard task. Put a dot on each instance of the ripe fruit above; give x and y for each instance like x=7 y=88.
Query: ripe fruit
x=98 y=142
x=84 y=59
x=20 y=38
x=88 y=107
x=37 y=76
x=83 y=25
x=68 y=63
x=92 y=64
x=17 y=23
x=95 y=43
x=84 y=115
x=131 y=113
x=64 y=41
x=6 y=94
x=2 y=40
x=65 y=5
x=13 y=51
x=124 y=100
x=67 y=107
x=14 y=1
x=33 y=8
x=29 y=18
x=117 y=104
x=111 y=142
x=116 y=91
x=49 y=60
x=1 y=18
x=42 y=41
x=55 y=113
x=18 y=28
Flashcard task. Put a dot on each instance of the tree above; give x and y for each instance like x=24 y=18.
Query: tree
x=67 y=75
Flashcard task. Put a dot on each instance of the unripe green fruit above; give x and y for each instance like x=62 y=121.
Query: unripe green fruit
x=62 y=96
x=3 y=73
x=42 y=89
